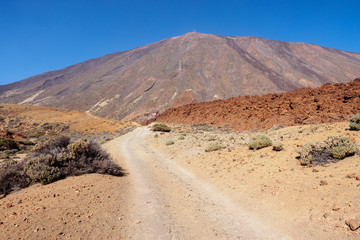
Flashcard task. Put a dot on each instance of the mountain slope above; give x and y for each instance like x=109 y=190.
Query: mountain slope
x=190 y=68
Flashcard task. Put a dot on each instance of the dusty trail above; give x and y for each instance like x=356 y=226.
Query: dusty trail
x=169 y=202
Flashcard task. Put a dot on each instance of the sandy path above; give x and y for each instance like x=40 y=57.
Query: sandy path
x=169 y=202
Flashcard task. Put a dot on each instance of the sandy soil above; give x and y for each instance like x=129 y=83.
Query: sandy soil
x=305 y=202
x=84 y=207
x=27 y=115
x=181 y=192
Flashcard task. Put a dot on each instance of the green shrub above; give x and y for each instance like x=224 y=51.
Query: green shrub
x=181 y=138
x=160 y=127
x=332 y=149
x=171 y=142
x=214 y=147
x=355 y=122
x=259 y=141
x=183 y=134
x=7 y=144
x=278 y=146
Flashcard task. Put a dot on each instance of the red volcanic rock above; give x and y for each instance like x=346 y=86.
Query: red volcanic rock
x=328 y=103
x=11 y=135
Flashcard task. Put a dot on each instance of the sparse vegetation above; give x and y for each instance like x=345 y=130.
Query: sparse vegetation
x=181 y=138
x=36 y=134
x=333 y=149
x=214 y=147
x=160 y=127
x=278 y=146
x=259 y=141
x=156 y=136
x=170 y=142
x=56 y=159
x=355 y=122
x=8 y=144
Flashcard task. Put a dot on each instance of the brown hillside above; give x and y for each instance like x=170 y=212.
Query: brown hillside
x=194 y=67
x=328 y=103
x=27 y=119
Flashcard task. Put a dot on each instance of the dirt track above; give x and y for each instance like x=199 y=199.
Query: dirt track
x=169 y=202
x=182 y=192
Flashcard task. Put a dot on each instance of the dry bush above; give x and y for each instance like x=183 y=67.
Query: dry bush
x=160 y=127
x=278 y=146
x=214 y=147
x=332 y=149
x=259 y=141
x=57 y=159
x=355 y=122
x=8 y=144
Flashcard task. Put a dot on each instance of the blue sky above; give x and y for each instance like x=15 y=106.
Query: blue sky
x=37 y=36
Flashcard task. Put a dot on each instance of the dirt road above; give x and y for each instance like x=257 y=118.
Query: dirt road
x=169 y=202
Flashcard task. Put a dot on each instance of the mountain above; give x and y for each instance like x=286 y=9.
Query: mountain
x=194 y=67
x=328 y=103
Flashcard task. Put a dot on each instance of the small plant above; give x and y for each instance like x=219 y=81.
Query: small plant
x=181 y=138
x=355 y=122
x=36 y=134
x=259 y=141
x=332 y=149
x=8 y=144
x=156 y=136
x=160 y=127
x=278 y=146
x=171 y=142
x=214 y=147
x=183 y=134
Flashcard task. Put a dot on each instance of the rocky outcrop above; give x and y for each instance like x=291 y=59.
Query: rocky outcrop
x=328 y=103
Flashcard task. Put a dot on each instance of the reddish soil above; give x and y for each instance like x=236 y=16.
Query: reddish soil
x=328 y=103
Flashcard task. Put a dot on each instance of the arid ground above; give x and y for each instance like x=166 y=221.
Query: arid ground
x=180 y=191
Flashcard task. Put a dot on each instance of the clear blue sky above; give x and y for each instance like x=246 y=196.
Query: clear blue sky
x=37 y=36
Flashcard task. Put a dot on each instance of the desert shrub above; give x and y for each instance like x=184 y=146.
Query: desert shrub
x=7 y=144
x=181 y=138
x=171 y=142
x=211 y=139
x=355 y=122
x=56 y=159
x=259 y=141
x=26 y=142
x=332 y=149
x=160 y=127
x=183 y=134
x=214 y=147
x=278 y=146
x=36 y=134
x=41 y=169
x=341 y=147
x=12 y=177
x=156 y=136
